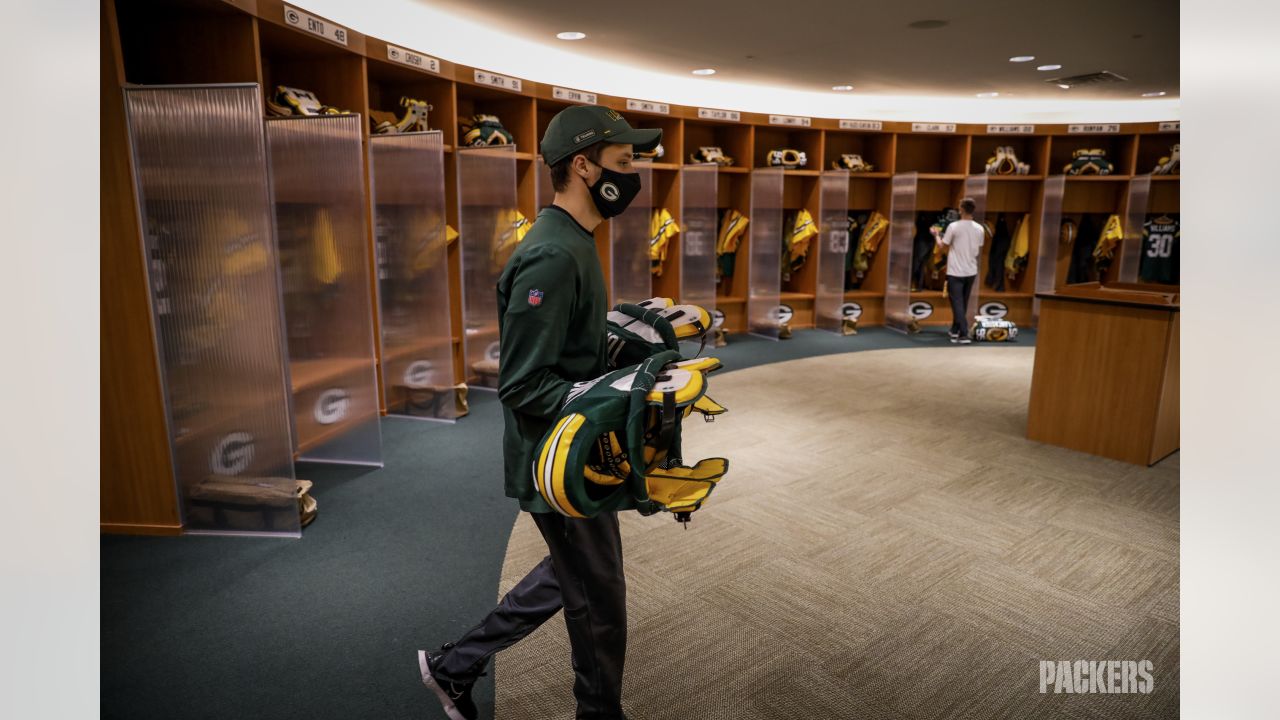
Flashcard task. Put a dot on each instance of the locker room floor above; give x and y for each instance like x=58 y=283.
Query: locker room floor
x=409 y=555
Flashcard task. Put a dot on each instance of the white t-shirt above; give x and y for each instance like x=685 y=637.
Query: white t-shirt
x=965 y=238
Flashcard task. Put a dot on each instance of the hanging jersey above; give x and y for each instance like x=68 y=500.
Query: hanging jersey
x=662 y=227
x=326 y=265
x=732 y=226
x=1086 y=239
x=795 y=245
x=1016 y=260
x=1001 y=241
x=1160 y=239
x=1105 y=251
x=509 y=231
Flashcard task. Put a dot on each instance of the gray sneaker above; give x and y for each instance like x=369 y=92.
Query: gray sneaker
x=964 y=340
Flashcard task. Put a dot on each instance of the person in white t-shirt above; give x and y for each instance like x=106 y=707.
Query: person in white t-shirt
x=965 y=236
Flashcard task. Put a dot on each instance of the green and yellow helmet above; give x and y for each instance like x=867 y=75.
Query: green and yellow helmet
x=618 y=437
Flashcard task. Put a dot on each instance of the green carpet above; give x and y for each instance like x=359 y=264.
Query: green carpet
x=327 y=627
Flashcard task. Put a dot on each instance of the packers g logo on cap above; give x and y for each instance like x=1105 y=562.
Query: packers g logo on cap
x=920 y=310
x=851 y=310
x=610 y=191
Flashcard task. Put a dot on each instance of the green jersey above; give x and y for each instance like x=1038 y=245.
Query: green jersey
x=1161 y=237
x=551 y=321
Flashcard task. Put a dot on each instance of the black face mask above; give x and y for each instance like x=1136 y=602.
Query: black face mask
x=614 y=191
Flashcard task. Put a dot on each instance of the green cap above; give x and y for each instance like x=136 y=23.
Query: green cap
x=582 y=126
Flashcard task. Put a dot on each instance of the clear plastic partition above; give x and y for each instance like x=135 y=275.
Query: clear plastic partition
x=630 y=276
x=902 y=228
x=487 y=214
x=546 y=191
x=834 y=223
x=764 y=273
x=698 y=236
x=1055 y=186
x=407 y=175
x=317 y=178
x=1134 y=217
x=975 y=186
x=200 y=162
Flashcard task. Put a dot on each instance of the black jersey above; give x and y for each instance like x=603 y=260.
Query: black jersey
x=1160 y=238
x=1000 y=242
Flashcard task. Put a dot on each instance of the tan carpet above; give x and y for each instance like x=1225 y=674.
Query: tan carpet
x=887 y=545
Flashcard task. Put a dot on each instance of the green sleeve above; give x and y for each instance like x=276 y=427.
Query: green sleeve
x=533 y=336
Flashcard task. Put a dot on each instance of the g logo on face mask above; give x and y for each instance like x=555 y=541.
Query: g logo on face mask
x=614 y=191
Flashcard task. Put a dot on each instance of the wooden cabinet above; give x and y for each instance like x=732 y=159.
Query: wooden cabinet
x=1106 y=371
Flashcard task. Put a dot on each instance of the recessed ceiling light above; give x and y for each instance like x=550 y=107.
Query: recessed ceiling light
x=1046 y=68
x=1153 y=94
x=989 y=94
x=1022 y=58
x=842 y=88
x=704 y=71
x=571 y=35
x=1064 y=86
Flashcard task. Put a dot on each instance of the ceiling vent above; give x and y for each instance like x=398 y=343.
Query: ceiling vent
x=1106 y=77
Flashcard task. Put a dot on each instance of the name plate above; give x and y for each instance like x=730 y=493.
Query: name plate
x=294 y=17
x=1093 y=129
x=1011 y=129
x=577 y=96
x=649 y=107
x=709 y=114
x=933 y=127
x=412 y=59
x=1171 y=126
x=791 y=120
x=502 y=82
x=861 y=125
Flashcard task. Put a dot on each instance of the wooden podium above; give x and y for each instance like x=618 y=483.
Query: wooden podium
x=1106 y=371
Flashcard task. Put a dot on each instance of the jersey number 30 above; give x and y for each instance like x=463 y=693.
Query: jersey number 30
x=1160 y=245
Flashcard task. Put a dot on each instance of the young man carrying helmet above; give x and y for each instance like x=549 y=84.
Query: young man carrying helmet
x=552 y=305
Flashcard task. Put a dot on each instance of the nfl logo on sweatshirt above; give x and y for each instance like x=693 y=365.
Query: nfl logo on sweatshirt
x=535 y=297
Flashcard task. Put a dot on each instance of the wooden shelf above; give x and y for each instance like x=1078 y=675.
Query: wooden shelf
x=1098 y=178
x=862 y=294
x=729 y=300
x=305 y=374
x=1006 y=294
x=876 y=175
x=335 y=431
x=794 y=171
x=928 y=294
x=941 y=176
x=1165 y=178
x=734 y=169
x=1024 y=178
x=795 y=296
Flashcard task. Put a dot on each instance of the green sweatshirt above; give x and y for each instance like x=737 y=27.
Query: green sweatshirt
x=551 y=319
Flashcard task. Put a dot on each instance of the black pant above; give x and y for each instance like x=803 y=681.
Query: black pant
x=583 y=574
x=958 y=288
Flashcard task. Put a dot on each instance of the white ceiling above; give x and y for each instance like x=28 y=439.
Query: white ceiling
x=783 y=56
x=815 y=44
